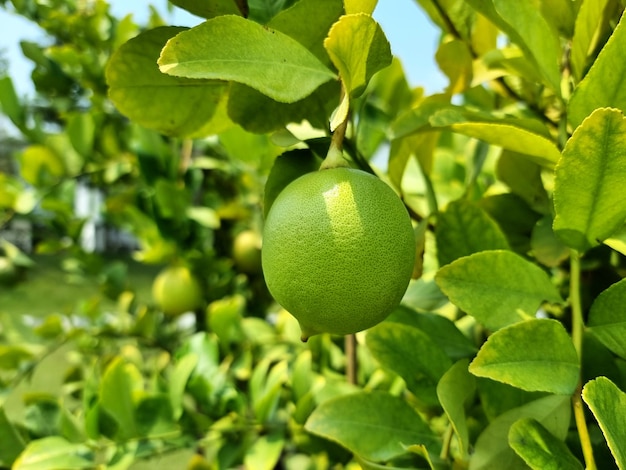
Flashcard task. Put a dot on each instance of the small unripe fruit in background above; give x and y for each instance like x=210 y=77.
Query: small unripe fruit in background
x=247 y=251
x=176 y=291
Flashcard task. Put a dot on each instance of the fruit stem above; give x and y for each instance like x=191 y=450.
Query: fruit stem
x=447 y=442
x=334 y=157
x=574 y=298
x=577 y=338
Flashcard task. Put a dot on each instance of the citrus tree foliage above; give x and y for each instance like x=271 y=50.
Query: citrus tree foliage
x=508 y=350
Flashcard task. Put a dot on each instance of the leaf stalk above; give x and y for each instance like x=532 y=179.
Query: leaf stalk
x=577 y=338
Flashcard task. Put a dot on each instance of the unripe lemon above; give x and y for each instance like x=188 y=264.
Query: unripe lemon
x=177 y=291
x=338 y=251
x=247 y=251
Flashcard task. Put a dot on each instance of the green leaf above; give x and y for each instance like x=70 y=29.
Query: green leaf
x=155 y=100
x=260 y=114
x=606 y=318
x=265 y=388
x=206 y=379
x=598 y=360
x=420 y=146
x=41 y=166
x=42 y=414
x=154 y=416
x=487 y=9
x=442 y=331
x=411 y=354
x=120 y=385
x=302 y=375
x=523 y=177
x=288 y=167
x=617 y=241
x=263 y=11
x=172 y=200
x=497 y=287
x=519 y=135
x=608 y=404
x=497 y=398
x=589 y=197
x=450 y=13
x=205 y=216
x=360 y=6
x=561 y=15
x=515 y=218
x=10 y=103
x=455 y=60
x=539 y=448
x=455 y=389
x=225 y=317
x=308 y=22
x=209 y=9
x=81 y=129
x=11 y=189
x=547 y=362
x=503 y=61
x=53 y=453
x=484 y=35
x=358 y=47
x=492 y=450
x=603 y=84
x=535 y=36
x=417 y=118
x=265 y=452
x=178 y=382
x=233 y=48
x=464 y=229
x=546 y=247
x=585 y=37
x=11 y=443
x=373 y=425
x=256 y=149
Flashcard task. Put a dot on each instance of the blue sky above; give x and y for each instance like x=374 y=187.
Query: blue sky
x=412 y=36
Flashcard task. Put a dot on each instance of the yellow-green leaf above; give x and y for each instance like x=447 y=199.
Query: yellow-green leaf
x=455 y=389
x=358 y=47
x=589 y=196
x=538 y=40
x=585 y=38
x=608 y=404
x=603 y=86
x=360 y=6
x=53 y=453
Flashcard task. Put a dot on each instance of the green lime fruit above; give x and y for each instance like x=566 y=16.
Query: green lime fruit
x=177 y=291
x=338 y=251
x=247 y=251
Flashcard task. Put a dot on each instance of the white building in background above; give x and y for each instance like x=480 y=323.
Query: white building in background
x=88 y=203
